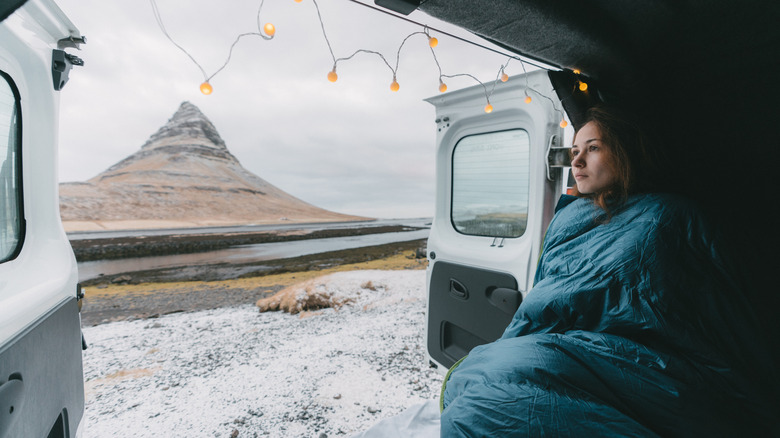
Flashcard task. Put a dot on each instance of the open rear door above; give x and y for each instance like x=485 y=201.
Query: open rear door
x=495 y=196
x=41 y=374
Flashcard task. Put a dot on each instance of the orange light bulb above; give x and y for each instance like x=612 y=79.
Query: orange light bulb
x=528 y=99
x=205 y=88
x=442 y=87
x=488 y=108
x=576 y=72
x=395 y=86
x=269 y=29
x=504 y=77
x=433 y=42
x=332 y=76
x=583 y=86
x=298 y=1
x=564 y=123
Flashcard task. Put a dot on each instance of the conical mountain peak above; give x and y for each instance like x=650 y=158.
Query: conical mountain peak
x=186 y=135
x=188 y=128
x=183 y=175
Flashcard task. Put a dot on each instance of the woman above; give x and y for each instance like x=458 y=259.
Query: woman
x=635 y=325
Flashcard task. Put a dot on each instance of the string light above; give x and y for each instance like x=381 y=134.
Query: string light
x=583 y=86
x=206 y=87
x=268 y=31
x=564 y=123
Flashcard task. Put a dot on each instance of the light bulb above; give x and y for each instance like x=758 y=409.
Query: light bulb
x=442 y=87
x=583 y=86
x=205 y=88
x=332 y=76
x=488 y=108
x=269 y=29
x=528 y=99
x=504 y=77
x=394 y=86
x=576 y=72
x=564 y=123
x=433 y=42
x=298 y=1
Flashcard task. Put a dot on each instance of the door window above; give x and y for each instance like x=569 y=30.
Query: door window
x=10 y=178
x=490 y=184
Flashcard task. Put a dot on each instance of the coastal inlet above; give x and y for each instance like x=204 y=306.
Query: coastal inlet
x=236 y=252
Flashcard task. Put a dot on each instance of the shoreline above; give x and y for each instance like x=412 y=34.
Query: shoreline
x=114 y=248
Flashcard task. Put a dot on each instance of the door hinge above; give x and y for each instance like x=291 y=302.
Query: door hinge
x=557 y=156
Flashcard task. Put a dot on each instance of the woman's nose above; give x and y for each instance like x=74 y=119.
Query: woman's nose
x=577 y=161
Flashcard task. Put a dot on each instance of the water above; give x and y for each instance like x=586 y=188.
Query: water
x=244 y=253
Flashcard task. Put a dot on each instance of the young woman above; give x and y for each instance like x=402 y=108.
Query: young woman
x=635 y=326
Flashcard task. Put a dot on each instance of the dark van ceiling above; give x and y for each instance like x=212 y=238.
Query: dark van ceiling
x=704 y=77
x=632 y=48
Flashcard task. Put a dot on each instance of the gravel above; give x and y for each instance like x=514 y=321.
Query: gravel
x=235 y=372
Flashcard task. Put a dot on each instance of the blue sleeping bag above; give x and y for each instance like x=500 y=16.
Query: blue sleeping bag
x=634 y=327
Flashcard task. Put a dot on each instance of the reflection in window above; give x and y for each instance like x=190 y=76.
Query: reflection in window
x=490 y=178
x=10 y=187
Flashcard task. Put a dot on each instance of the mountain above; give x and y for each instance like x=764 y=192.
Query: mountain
x=183 y=176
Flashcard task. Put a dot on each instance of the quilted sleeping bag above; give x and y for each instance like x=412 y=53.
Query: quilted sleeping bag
x=634 y=327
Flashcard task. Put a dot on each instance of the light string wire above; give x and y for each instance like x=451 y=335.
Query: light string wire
x=500 y=76
x=394 y=71
x=206 y=77
x=473 y=43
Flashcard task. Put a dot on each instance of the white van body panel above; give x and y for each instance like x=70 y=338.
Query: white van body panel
x=461 y=114
x=44 y=273
x=41 y=373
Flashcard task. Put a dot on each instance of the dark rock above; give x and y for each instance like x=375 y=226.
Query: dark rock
x=122 y=279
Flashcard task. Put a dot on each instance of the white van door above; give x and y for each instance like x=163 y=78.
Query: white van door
x=41 y=375
x=495 y=196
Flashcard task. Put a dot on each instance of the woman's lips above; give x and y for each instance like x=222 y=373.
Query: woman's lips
x=580 y=176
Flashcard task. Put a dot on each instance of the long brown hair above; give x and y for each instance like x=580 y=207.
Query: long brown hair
x=636 y=165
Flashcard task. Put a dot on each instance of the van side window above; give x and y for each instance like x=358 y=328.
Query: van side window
x=10 y=178
x=490 y=184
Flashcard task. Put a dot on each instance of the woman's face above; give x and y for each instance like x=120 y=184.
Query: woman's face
x=591 y=161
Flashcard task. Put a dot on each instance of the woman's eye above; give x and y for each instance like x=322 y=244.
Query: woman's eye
x=574 y=152
x=593 y=148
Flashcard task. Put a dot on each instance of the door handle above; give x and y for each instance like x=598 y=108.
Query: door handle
x=458 y=290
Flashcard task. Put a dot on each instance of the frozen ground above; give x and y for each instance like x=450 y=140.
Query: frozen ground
x=234 y=372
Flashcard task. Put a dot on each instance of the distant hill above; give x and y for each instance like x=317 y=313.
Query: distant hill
x=183 y=176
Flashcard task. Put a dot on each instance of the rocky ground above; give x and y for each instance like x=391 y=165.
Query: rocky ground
x=235 y=372
x=196 y=358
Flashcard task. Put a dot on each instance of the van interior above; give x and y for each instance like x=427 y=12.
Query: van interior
x=701 y=77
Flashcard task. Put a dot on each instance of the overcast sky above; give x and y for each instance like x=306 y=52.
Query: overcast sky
x=352 y=146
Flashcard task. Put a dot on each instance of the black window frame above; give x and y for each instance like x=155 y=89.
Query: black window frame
x=18 y=168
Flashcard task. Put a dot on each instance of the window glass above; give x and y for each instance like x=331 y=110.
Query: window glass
x=490 y=179
x=10 y=187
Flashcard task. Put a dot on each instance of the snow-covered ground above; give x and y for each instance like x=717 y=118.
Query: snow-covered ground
x=235 y=372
